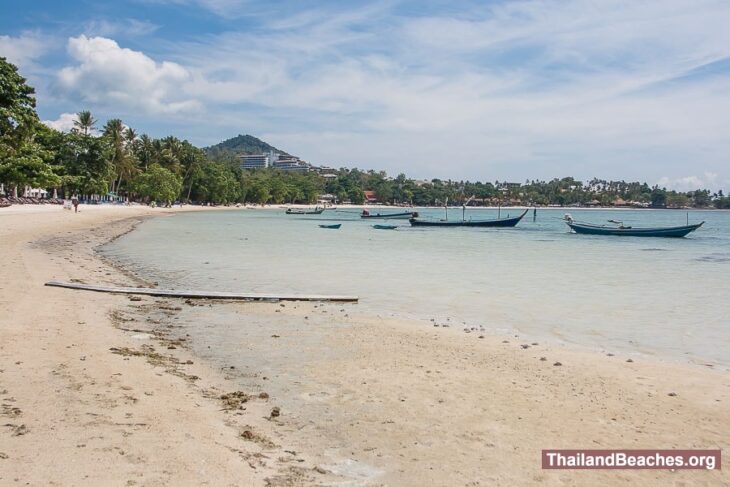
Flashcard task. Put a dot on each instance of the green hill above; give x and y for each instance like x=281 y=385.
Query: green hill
x=242 y=144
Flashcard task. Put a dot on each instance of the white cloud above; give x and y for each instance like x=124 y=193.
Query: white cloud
x=64 y=123
x=708 y=180
x=507 y=90
x=519 y=89
x=23 y=50
x=109 y=75
x=124 y=27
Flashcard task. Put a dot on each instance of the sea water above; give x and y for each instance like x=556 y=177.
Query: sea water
x=669 y=298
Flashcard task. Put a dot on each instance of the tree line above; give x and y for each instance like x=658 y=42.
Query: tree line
x=114 y=159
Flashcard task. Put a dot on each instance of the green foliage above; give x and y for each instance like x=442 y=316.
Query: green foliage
x=723 y=203
x=241 y=144
x=17 y=107
x=28 y=168
x=23 y=161
x=158 y=184
x=272 y=186
x=658 y=197
x=85 y=122
x=84 y=163
x=217 y=183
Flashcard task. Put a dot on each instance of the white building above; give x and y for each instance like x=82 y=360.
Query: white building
x=290 y=163
x=254 y=161
x=274 y=161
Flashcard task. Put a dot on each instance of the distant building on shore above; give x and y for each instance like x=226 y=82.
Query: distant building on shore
x=254 y=161
x=370 y=196
x=274 y=161
x=290 y=163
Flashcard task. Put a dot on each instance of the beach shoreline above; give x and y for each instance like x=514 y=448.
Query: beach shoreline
x=391 y=404
x=79 y=409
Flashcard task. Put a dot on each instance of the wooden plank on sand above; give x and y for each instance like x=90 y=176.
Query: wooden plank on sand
x=170 y=293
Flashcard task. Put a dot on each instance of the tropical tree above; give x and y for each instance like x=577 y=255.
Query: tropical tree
x=169 y=153
x=84 y=162
x=130 y=135
x=192 y=160
x=158 y=184
x=85 y=122
x=217 y=184
x=23 y=162
x=121 y=140
x=144 y=151
x=27 y=167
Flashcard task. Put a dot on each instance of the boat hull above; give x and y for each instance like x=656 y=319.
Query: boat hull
x=331 y=227
x=501 y=222
x=304 y=212
x=668 y=232
x=392 y=216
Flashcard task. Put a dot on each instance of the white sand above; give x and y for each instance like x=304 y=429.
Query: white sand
x=405 y=406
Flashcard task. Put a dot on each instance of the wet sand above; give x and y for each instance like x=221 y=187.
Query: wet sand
x=74 y=411
x=98 y=389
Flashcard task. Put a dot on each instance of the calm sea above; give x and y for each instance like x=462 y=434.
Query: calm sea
x=664 y=297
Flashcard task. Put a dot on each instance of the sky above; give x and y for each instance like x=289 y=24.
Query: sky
x=468 y=90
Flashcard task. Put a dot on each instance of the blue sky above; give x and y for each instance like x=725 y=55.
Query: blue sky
x=464 y=90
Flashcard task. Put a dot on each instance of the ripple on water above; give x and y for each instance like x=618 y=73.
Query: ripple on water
x=719 y=257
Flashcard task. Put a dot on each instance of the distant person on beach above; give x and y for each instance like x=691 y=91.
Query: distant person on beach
x=75 y=202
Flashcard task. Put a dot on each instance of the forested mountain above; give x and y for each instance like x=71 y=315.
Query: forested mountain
x=241 y=144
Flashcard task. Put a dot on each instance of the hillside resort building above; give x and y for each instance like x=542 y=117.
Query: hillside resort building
x=273 y=160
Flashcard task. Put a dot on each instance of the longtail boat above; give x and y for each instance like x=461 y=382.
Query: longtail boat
x=335 y=226
x=627 y=231
x=499 y=222
x=385 y=227
x=401 y=215
x=292 y=211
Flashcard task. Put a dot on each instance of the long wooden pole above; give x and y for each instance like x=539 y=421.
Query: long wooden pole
x=170 y=293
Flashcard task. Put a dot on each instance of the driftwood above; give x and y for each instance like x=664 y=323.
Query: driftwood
x=170 y=293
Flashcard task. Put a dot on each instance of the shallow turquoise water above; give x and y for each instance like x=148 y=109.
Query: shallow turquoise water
x=664 y=297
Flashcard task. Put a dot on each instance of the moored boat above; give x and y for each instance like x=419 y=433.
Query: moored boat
x=385 y=227
x=499 y=222
x=392 y=216
x=294 y=211
x=335 y=226
x=628 y=231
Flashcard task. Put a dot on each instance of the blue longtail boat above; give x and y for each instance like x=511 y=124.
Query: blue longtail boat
x=499 y=222
x=335 y=226
x=626 y=231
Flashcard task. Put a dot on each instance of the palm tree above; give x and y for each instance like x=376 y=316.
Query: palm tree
x=85 y=122
x=171 y=153
x=192 y=159
x=130 y=135
x=114 y=129
x=145 y=150
x=114 y=132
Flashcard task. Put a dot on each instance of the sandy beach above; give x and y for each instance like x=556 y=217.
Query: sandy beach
x=101 y=389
